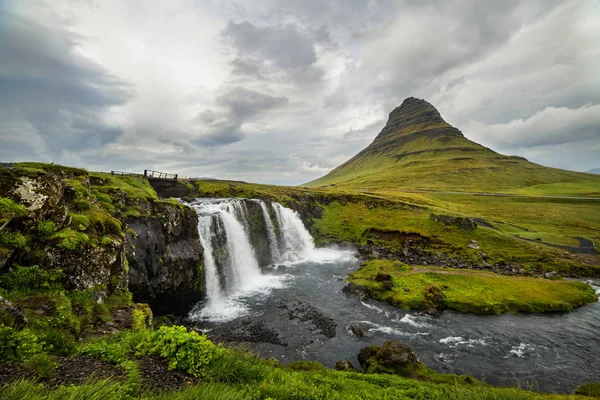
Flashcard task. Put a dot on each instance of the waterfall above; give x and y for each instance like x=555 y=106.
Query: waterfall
x=296 y=241
x=273 y=244
x=231 y=232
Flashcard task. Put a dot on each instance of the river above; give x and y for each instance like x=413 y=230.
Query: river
x=551 y=353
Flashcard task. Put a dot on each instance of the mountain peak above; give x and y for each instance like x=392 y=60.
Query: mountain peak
x=412 y=112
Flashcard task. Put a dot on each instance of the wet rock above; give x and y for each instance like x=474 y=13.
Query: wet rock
x=345 y=365
x=365 y=356
x=357 y=330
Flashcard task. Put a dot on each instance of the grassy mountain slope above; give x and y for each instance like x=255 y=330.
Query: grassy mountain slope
x=417 y=149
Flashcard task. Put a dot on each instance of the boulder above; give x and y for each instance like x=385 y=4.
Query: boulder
x=345 y=365
x=394 y=357
x=433 y=299
x=11 y=315
x=357 y=330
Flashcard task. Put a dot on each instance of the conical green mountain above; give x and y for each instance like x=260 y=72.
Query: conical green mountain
x=417 y=149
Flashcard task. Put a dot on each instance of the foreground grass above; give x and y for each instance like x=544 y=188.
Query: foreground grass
x=470 y=291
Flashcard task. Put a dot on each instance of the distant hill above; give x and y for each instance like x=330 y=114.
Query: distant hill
x=417 y=149
x=593 y=171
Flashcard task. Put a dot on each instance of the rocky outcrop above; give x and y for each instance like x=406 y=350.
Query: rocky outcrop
x=99 y=231
x=345 y=365
x=394 y=357
x=11 y=315
x=165 y=259
x=465 y=223
x=88 y=256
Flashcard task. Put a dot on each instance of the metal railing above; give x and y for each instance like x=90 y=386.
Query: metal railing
x=148 y=173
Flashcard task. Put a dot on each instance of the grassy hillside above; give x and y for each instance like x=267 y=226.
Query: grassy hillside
x=417 y=149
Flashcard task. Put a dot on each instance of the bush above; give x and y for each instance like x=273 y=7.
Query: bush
x=185 y=350
x=18 y=346
x=46 y=228
x=141 y=317
x=13 y=240
x=32 y=278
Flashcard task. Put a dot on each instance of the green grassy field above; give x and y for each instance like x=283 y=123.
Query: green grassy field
x=470 y=291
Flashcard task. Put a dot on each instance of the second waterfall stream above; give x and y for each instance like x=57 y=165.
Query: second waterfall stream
x=242 y=240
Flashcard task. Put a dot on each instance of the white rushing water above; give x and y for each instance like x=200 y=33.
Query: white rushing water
x=231 y=264
x=273 y=243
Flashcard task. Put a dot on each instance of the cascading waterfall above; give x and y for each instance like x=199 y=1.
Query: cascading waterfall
x=296 y=241
x=226 y=227
x=273 y=243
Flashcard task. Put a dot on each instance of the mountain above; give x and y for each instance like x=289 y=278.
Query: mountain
x=593 y=171
x=417 y=149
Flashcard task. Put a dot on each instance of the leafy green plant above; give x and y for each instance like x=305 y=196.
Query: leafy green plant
x=185 y=350
x=141 y=317
x=112 y=352
x=18 y=346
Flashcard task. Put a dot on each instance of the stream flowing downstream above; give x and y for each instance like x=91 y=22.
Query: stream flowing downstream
x=553 y=353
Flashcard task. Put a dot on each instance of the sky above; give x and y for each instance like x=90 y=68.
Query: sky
x=282 y=92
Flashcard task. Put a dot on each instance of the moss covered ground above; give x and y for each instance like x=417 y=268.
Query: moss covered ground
x=470 y=291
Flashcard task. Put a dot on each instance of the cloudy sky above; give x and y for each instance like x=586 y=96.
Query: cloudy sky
x=283 y=91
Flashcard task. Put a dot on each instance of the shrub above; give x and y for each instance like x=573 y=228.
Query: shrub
x=13 y=240
x=185 y=350
x=18 y=346
x=141 y=317
x=46 y=228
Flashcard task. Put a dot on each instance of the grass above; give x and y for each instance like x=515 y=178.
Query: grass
x=237 y=374
x=471 y=291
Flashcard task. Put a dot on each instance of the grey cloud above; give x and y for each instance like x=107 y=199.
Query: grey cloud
x=49 y=87
x=551 y=126
x=242 y=105
x=285 y=46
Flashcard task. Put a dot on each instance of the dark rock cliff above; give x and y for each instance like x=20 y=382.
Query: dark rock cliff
x=104 y=233
x=165 y=259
